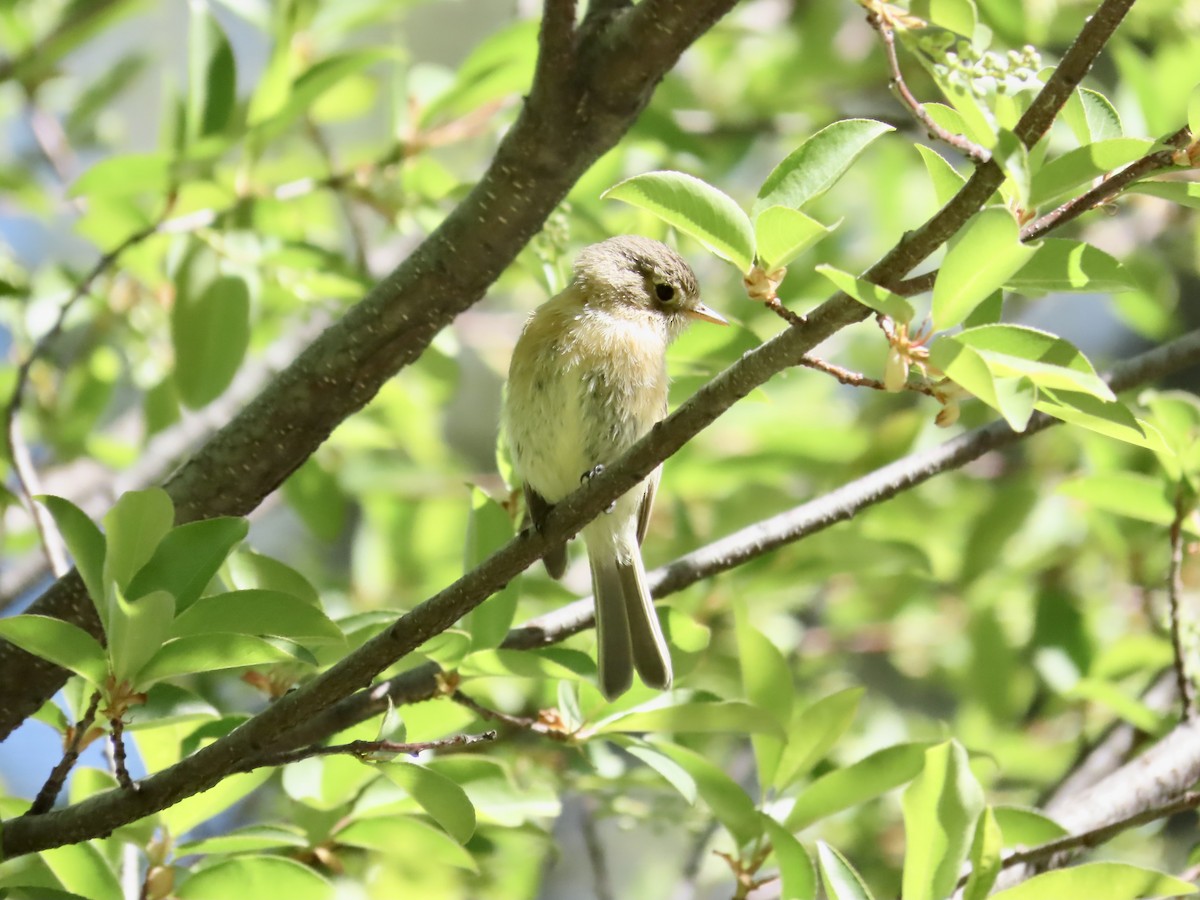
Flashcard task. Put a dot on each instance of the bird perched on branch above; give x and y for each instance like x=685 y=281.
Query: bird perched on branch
x=588 y=378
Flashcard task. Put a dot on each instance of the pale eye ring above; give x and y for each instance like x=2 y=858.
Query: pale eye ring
x=665 y=292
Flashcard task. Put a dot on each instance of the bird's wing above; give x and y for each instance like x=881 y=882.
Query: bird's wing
x=539 y=508
x=647 y=504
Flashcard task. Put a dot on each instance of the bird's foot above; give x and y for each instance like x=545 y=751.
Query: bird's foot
x=592 y=473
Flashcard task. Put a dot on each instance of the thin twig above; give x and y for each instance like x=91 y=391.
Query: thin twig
x=1103 y=834
x=120 y=769
x=1174 y=593
x=1108 y=188
x=776 y=306
x=548 y=725
x=45 y=798
x=369 y=751
x=856 y=379
x=959 y=142
x=1093 y=837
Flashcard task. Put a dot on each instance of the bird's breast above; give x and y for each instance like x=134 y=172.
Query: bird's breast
x=582 y=389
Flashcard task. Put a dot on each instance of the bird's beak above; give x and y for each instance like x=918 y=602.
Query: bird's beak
x=707 y=313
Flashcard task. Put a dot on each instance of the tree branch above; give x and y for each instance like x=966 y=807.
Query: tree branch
x=1174 y=591
x=555 y=138
x=422 y=682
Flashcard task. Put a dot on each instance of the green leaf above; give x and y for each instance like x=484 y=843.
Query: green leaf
x=209 y=652
x=210 y=333
x=125 y=175
x=1112 y=696
x=1070 y=266
x=1014 y=399
x=816 y=165
x=84 y=540
x=694 y=207
x=291 y=106
x=1062 y=175
x=986 y=857
x=442 y=798
x=696 y=717
x=1184 y=193
x=781 y=234
x=1097 y=881
x=767 y=683
x=1045 y=359
x=944 y=177
x=1110 y=418
x=940 y=809
x=191 y=811
x=841 y=881
x=1092 y=117
x=870 y=295
x=60 y=642
x=83 y=870
x=857 y=783
x=1003 y=364
x=212 y=75
x=253 y=570
x=814 y=731
x=1176 y=415
x=958 y=16
x=259 y=612
x=386 y=834
x=988 y=252
x=1193 y=111
x=1021 y=826
x=252 y=877
x=796 y=872
x=188 y=558
x=489 y=528
x=135 y=525
x=673 y=773
x=137 y=629
x=316 y=496
x=724 y=796
x=1124 y=493
x=1012 y=156
x=249 y=839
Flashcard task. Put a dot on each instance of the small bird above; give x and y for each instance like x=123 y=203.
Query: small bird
x=588 y=378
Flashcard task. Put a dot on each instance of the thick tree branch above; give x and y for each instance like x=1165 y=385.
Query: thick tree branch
x=558 y=134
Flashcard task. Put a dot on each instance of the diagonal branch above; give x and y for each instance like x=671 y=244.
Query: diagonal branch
x=422 y=683
x=558 y=134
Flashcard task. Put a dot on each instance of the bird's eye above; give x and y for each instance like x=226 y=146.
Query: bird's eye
x=664 y=292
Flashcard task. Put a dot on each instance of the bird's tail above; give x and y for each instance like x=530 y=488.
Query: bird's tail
x=627 y=627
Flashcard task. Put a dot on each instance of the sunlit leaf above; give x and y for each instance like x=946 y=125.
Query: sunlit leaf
x=694 y=207
x=940 y=809
x=816 y=165
x=60 y=642
x=986 y=254
x=1098 y=881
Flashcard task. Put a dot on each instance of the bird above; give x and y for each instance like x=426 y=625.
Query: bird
x=588 y=378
